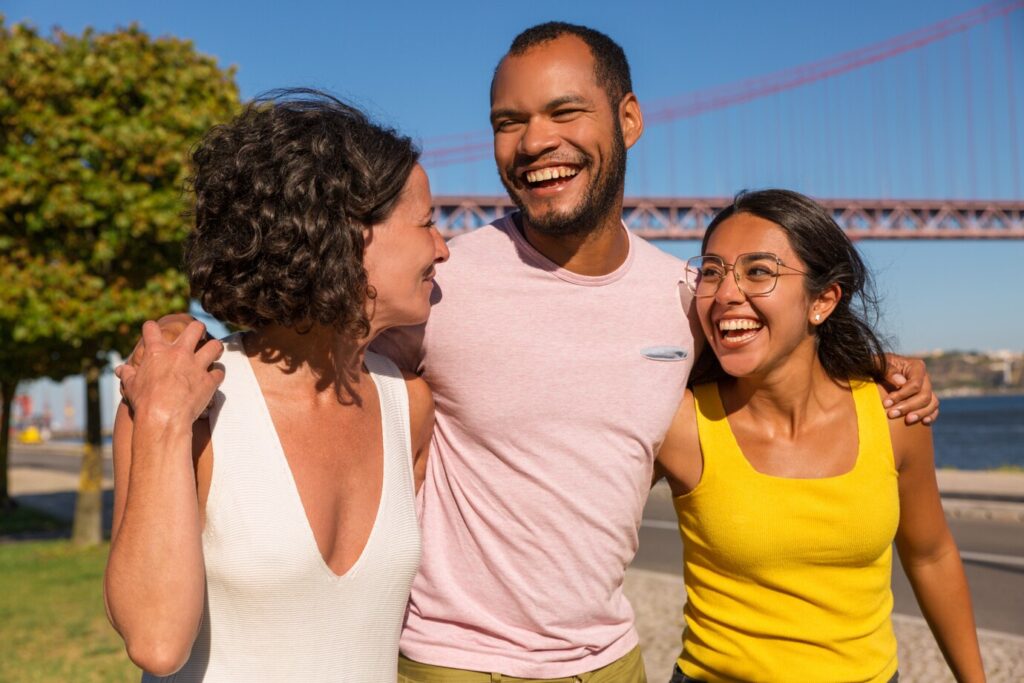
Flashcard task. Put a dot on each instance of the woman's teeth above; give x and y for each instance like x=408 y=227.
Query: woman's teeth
x=739 y=324
x=739 y=329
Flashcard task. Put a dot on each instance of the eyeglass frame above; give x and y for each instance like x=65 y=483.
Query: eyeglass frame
x=692 y=286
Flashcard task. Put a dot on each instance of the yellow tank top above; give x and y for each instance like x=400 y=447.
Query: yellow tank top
x=789 y=579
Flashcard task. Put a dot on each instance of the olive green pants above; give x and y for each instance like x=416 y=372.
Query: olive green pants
x=627 y=669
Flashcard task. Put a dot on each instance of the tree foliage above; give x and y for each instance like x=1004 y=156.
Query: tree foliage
x=96 y=130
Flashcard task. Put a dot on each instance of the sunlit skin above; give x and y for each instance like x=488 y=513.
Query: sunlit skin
x=399 y=258
x=775 y=371
x=548 y=111
x=788 y=313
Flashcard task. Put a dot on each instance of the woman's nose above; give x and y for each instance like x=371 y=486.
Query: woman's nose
x=729 y=289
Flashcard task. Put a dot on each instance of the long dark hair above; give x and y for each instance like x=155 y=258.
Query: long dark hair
x=848 y=347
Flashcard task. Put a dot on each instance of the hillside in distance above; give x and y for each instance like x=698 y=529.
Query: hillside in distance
x=965 y=373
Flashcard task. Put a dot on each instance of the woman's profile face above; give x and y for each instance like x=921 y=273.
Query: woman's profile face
x=754 y=335
x=400 y=256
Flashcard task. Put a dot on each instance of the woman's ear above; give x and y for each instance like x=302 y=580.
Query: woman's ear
x=824 y=304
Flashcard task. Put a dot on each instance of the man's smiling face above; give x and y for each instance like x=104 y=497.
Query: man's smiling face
x=558 y=142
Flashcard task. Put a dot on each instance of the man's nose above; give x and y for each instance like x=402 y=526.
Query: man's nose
x=538 y=138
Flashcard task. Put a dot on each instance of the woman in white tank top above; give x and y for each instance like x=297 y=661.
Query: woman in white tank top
x=277 y=540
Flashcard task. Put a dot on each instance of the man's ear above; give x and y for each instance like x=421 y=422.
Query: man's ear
x=631 y=119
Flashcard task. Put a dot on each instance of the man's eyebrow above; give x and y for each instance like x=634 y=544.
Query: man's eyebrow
x=564 y=100
x=508 y=112
x=503 y=114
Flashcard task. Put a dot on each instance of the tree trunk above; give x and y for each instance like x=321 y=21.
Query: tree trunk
x=7 y=389
x=88 y=525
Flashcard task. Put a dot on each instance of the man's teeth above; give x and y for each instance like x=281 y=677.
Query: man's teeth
x=739 y=324
x=551 y=173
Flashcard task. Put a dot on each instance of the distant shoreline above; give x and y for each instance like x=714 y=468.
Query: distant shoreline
x=971 y=392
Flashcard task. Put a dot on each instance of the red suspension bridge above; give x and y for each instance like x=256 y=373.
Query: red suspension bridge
x=932 y=112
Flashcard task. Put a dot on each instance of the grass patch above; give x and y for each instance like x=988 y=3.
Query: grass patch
x=22 y=520
x=52 y=623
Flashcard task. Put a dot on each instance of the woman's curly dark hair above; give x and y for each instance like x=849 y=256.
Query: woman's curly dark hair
x=282 y=196
x=848 y=347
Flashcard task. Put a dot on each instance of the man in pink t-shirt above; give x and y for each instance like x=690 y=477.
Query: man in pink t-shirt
x=558 y=349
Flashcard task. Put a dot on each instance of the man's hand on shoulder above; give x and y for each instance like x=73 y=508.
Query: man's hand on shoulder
x=171 y=327
x=909 y=391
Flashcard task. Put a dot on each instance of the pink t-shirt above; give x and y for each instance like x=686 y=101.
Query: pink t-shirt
x=553 y=393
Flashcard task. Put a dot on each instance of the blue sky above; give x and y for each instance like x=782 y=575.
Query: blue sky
x=426 y=66
x=933 y=122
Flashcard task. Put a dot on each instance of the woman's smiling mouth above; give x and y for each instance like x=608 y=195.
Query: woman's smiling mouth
x=738 y=331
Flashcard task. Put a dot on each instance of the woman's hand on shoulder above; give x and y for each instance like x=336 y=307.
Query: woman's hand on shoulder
x=174 y=380
x=421 y=422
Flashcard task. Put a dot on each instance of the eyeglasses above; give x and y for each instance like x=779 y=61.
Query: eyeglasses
x=756 y=273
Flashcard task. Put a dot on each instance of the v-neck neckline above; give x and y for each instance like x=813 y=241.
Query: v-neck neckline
x=293 y=485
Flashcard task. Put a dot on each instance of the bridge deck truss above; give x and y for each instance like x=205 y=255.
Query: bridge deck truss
x=686 y=218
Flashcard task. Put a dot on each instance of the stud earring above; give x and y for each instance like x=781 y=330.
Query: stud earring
x=817 y=317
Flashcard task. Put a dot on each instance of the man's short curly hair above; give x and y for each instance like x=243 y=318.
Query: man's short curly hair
x=282 y=196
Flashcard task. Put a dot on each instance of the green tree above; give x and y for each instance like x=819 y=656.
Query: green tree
x=96 y=130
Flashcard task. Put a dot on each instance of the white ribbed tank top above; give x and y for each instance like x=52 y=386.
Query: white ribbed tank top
x=274 y=610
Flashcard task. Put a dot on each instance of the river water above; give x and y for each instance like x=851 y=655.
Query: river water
x=980 y=433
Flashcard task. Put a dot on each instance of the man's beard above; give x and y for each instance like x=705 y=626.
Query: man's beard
x=598 y=200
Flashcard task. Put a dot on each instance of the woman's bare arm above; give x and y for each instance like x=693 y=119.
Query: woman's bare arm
x=679 y=457
x=154 y=585
x=929 y=554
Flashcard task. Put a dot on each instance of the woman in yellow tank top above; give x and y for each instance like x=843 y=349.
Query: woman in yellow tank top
x=789 y=482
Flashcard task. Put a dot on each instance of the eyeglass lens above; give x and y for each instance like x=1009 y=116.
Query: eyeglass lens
x=756 y=273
